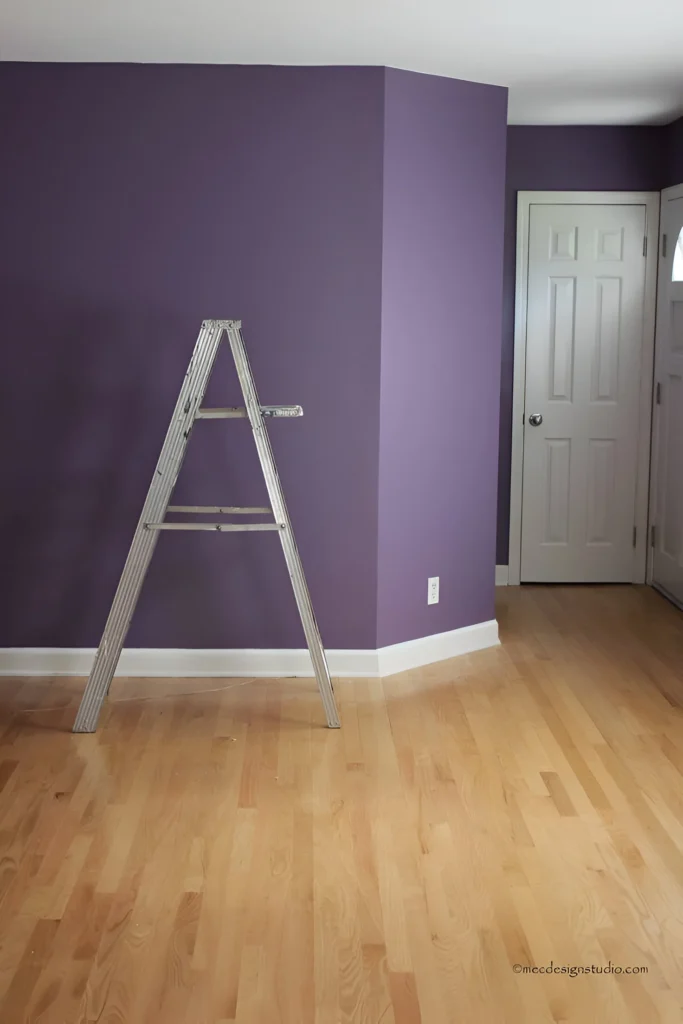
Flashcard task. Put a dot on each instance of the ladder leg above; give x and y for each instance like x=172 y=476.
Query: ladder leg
x=144 y=540
x=277 y=501
x=313 y=638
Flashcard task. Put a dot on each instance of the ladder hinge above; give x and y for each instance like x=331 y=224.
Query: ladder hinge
x=635 y=534
x=645 y=245
x=653 y=535
x=658 y=393
x=663 y=246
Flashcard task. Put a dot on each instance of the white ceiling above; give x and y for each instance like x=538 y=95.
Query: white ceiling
x=578 y=62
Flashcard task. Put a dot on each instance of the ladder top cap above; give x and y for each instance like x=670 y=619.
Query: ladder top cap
x=223 y=323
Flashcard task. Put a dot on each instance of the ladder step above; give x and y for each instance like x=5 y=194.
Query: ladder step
x=219 y=527
x=238 y=412
x=228 y=510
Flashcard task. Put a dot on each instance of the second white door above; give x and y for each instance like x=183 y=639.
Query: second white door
x=668 y=467
x=585 y=309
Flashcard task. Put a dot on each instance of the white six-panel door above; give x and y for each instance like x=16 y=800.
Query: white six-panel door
x=584 y=343
x=667 y=566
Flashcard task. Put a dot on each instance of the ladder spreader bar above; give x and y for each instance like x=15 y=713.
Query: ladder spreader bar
x=219 y=527
x=227 y=510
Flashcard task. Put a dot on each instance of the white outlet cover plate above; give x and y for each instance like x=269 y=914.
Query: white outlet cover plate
x=433 y=590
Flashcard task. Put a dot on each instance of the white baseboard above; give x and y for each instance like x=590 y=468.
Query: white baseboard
x=189 y=662
x=439 y=647
x=501 y=575
x=168 y=662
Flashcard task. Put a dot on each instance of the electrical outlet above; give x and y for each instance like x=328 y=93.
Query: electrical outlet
x=433 y=590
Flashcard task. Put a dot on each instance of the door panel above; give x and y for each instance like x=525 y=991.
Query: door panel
x=601 y=521
x=585 y=305
x=561 y=336
x=559 y=451
x=668 y=507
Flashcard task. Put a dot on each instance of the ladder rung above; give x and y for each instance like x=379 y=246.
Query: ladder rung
x=228 y=510
x=219 y=527
x=238 y=412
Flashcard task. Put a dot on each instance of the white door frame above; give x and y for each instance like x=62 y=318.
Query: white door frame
x=667 y=194
x=525 y=200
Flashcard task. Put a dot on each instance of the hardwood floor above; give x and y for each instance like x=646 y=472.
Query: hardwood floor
x=215 y=857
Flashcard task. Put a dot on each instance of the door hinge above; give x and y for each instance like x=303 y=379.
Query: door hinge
x=658 y=393
x=653 y=535
x=635 y=534
x=663 y=247
x=645 y=246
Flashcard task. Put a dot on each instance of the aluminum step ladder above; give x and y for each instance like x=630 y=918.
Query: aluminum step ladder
x=153 y=518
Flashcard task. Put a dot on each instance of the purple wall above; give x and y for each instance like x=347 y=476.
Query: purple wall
x=138 y=200
x=590 y=158
x=444 y=176
x=674 y=153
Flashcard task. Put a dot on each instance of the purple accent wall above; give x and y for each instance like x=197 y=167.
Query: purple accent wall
x=674 y=154
x=137 y=200
x=444 y=180
x=564 y=158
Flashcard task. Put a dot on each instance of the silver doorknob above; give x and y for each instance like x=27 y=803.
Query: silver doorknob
x=535 y=419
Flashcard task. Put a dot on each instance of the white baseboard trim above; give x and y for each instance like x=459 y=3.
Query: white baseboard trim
x=501 y=575
x=138 y=662
x=439 y=647
x=142 y=662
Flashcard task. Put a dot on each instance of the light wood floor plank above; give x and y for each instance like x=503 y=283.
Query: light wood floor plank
x=222 y=858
